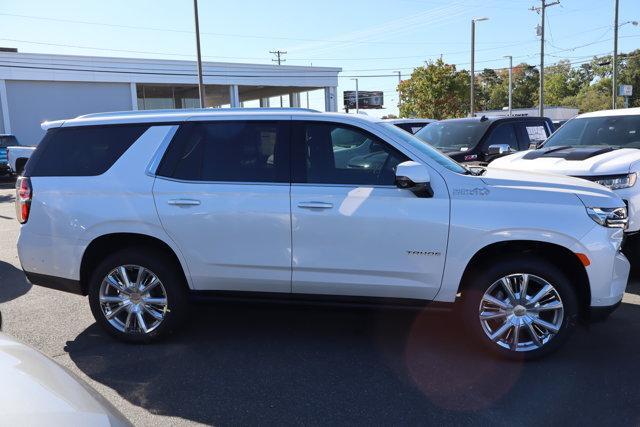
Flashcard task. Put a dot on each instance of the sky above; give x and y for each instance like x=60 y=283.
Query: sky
x=368 y=39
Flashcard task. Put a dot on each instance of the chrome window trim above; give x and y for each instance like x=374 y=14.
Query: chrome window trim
x=187 y=181
x=152 y=168
x=309 y=184
x=279 y=184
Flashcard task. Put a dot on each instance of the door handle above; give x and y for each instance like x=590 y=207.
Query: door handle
x=184 y=202
x=315 y=205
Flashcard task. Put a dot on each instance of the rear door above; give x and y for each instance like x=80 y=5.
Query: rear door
x=222 y=194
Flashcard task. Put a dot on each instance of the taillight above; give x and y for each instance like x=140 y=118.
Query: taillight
x=23 y=199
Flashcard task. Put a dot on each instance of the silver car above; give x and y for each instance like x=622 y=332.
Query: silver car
x=35 y=391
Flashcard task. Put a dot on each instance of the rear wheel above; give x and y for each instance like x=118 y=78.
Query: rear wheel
x=521 y=308
x=138 y=295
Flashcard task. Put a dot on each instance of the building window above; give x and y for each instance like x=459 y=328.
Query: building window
x=154 y=97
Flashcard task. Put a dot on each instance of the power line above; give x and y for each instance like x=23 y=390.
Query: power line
x=234 y=35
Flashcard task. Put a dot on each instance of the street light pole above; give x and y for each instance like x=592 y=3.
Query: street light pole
x=199 y=56
x=357 y=97
x=399 y=99
x=473 y=59
x=510 y=81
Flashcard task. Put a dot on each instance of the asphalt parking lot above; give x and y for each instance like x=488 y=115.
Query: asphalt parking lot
x=247 y=365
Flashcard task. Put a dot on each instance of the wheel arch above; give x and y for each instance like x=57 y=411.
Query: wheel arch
x=108 y=243
x=557 y=255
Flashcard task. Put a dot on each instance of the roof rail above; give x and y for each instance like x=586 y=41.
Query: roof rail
x=194 y=110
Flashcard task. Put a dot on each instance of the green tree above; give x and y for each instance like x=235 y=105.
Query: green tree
x=596 y=96
x=630 y=75
x=486 y=83
x=525 y=86
x=436 y=90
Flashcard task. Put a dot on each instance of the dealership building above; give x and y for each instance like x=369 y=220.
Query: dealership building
x=38 y=87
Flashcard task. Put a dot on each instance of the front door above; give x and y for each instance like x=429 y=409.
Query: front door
x=354 y=232
x=222 y=194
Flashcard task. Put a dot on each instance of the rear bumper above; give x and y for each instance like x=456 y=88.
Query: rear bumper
x=57 y=283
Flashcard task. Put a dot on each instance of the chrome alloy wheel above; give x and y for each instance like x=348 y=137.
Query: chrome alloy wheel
x=133 y=299
x=521 y=312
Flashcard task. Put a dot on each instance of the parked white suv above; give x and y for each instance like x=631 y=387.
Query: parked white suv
x=143 y=211
x=603 y=147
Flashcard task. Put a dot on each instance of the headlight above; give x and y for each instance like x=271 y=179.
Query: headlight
x=609 y=217
x=617 y=182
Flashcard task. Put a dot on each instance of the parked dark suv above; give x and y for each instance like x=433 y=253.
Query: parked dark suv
x=480 y=140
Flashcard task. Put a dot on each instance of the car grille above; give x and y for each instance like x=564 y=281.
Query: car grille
x=3 y=156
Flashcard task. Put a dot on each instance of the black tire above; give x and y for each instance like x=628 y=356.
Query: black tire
x=480 y=281
x=166 y=270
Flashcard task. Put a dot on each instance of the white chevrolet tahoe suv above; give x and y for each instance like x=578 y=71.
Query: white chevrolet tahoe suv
x=603 y=147
x=145 y=211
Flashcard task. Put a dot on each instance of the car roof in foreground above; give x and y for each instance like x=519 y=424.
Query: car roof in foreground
x=606 y=113
x=171 y=116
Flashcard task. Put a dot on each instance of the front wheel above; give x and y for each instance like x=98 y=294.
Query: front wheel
x=138 y=295
x=520 y=308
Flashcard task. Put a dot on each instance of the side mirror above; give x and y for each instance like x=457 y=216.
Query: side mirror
x=499 y=149
x=414 y=176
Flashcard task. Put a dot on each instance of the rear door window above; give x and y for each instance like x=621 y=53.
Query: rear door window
x=231 y=151
x=82 y=150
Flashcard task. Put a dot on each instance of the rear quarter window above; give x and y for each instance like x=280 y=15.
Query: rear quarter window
x=82 y=151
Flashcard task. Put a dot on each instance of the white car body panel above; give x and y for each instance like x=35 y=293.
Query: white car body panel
x=237 y=238
x=36 y=391
x=356 y=247
x=368 y=241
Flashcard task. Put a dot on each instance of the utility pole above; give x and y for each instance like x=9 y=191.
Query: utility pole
x=357 y=97
x=399 y=99
x=510 y=81
x=473 y=60
x=279 y=60
x=614 y=79
x=199 y=56
x=542 y=10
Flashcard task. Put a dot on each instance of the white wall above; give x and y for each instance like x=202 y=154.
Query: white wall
x=32 y=102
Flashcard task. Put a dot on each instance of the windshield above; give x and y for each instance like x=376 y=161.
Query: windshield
x=609 y=131
x=426 y=149
x=458 y=135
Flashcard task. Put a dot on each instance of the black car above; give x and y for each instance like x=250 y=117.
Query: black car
x=480 y=140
